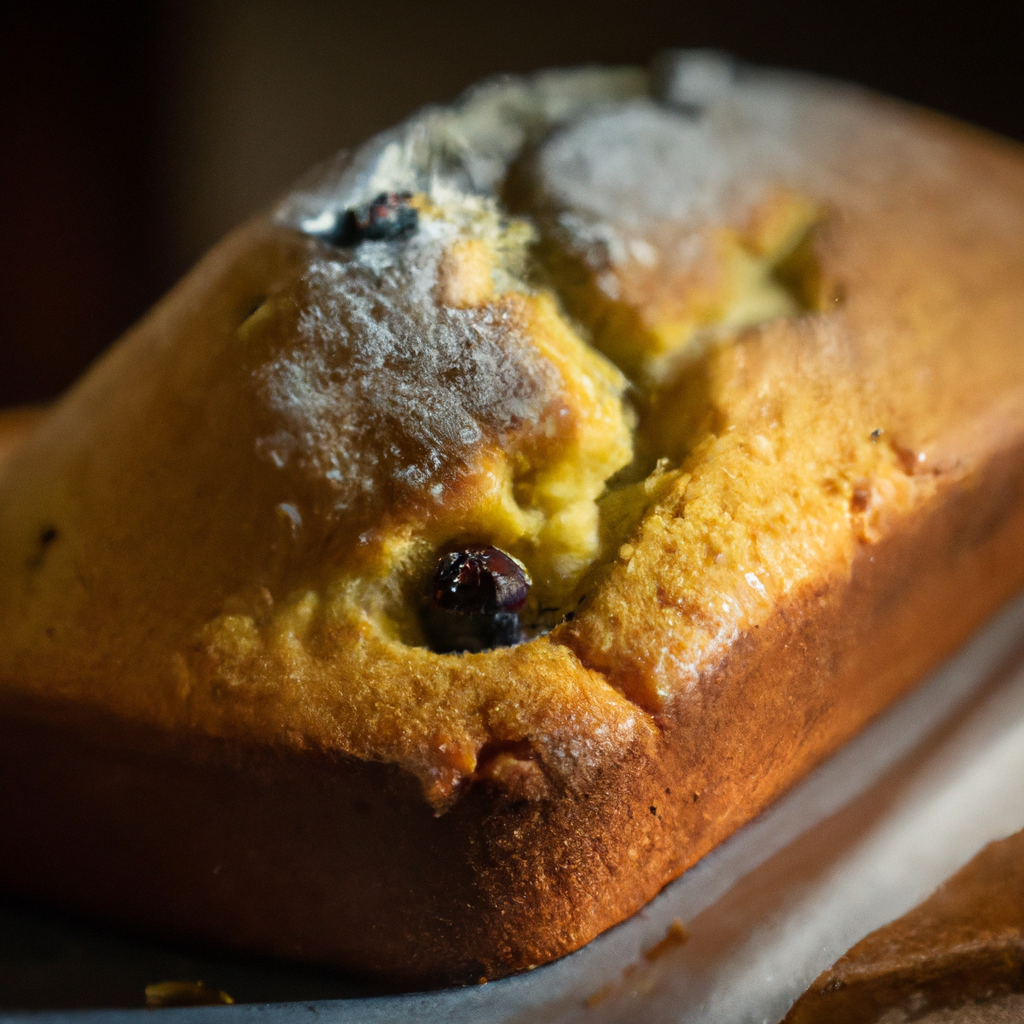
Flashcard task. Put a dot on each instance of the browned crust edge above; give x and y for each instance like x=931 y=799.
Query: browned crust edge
x=342 y=862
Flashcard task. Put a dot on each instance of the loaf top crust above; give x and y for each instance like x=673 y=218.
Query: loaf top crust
x=682 y=342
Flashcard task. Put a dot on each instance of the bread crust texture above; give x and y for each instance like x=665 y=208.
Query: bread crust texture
x=728 y=361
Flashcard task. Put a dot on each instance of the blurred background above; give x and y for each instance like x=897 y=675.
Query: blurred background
x=132 y=138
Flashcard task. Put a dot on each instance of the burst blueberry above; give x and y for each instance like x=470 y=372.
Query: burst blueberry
x=386 y=218
x=475 y=598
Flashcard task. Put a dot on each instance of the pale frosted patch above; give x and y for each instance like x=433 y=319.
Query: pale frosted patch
x=609 y=284
x=643 y=252
x=291 y=513
x=641 y=164
x=708 y=146
x=384 y=388
x=677 y=671
x=397 y=166
x=595 y=236
x=324 y=222
x=756 y=584
x=462 y=149
x=717 y=140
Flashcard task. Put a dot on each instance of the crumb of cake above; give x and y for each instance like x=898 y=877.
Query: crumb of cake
x=184 y=993
x=675 y=935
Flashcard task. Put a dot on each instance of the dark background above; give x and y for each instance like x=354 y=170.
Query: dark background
x=131 y=139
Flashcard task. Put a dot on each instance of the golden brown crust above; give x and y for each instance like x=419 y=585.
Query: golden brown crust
x=496 y=884
x=211 y=615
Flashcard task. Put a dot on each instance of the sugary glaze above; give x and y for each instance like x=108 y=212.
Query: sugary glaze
x=692 y=347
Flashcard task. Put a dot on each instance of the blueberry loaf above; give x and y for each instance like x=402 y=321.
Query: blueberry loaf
x=471 y=543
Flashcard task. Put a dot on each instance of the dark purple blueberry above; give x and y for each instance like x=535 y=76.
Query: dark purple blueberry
x=480 y=579
x=385 y=218
x=474 y=600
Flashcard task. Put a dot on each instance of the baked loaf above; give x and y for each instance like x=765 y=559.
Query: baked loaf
x=696 y=397
x=962 y=949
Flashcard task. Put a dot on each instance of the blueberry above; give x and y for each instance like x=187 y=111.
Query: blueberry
x=474 y=601
x=385 y=218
